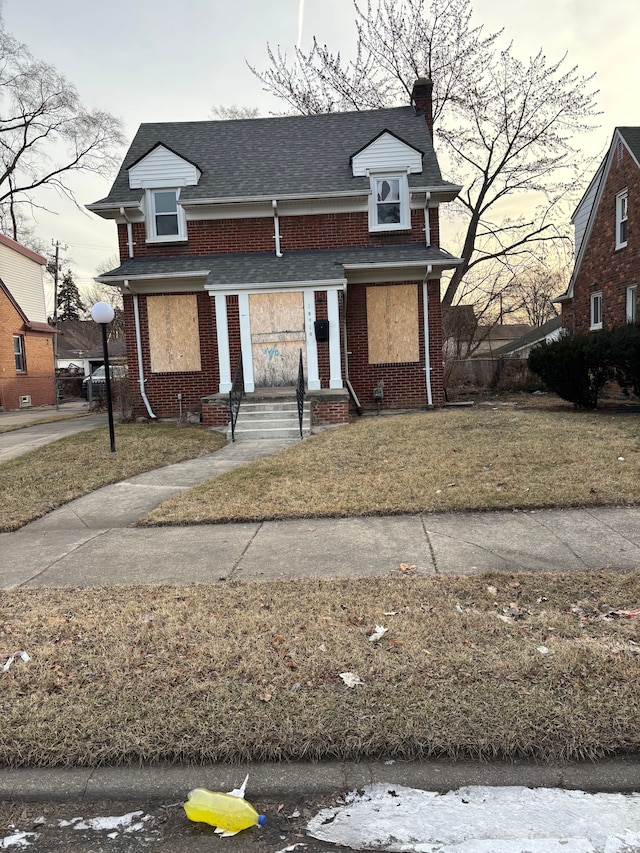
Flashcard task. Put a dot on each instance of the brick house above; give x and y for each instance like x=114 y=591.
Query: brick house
x=27 y=374
x=603 y=289
x=270 y=238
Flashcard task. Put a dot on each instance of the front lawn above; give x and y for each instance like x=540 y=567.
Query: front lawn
x=484 y=458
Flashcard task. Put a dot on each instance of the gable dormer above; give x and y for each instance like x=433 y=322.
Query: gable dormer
x=387 y=161
x=162 y=173
x=162 y=167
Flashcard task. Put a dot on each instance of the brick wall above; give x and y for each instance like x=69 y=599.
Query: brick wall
x=162 y=389
x=318 y=231
x=605 y=269
x=404 y=384
x=38 y=380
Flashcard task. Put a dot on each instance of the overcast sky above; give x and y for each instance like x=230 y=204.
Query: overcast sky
x=155 y=60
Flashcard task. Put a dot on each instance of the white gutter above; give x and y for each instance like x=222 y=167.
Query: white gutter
x=427 y=224
x=136 y=315
x=276 y=226
x=129 y=231
x=427 y=356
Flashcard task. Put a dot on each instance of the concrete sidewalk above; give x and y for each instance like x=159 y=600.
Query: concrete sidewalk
x=93 y=540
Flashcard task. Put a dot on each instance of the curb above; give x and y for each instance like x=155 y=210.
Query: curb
x=620 y=775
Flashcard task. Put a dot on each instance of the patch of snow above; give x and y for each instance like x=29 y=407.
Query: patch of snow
x=18 y=839
x=482 y=820
x=102 y=824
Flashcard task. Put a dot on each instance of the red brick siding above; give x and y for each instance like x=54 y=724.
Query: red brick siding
x=162 y=389
x=329 y=412
x=38 y=380
x=317 y=231
x=404 y=384
x=603 y=268
x=215 y=414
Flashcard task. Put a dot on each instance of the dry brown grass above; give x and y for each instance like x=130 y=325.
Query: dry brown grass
x=41 y=480
x=452 y=460
x=250 y=671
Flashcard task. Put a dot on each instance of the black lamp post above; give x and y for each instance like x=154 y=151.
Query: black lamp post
x=102 y=313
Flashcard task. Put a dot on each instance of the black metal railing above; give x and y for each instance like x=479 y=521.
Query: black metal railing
x=235 y=396
x=300 y=393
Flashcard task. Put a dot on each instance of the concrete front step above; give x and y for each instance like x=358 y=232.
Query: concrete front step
x=271 y=419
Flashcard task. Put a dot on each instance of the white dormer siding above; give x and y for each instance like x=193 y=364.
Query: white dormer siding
x=386 y=153
x=387 y=161
x=162 y=168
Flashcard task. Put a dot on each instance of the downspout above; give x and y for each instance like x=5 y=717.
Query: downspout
x=136 y=315
x=347 y=381
x=276 y=226
x=427 y=355
x=427 y=224
x=123 y=213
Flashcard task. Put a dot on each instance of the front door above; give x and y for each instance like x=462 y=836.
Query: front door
x=277 y=336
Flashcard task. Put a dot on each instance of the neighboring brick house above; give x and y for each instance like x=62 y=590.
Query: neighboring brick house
x=27 y=374
x=603 y=290
x=269 y=237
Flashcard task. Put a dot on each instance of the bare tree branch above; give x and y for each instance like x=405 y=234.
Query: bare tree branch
x=506 y=129
x=46 y=134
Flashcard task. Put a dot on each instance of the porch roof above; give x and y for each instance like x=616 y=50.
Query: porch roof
x=323 y=266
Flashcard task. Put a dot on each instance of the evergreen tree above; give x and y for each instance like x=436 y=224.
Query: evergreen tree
x=70 y=305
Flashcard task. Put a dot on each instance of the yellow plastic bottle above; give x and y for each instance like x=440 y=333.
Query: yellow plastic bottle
x=229 y=814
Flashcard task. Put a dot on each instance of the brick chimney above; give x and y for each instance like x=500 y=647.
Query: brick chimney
x=421 y=97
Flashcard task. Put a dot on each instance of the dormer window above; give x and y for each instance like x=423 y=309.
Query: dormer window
x=165 y=219
x=389 y=203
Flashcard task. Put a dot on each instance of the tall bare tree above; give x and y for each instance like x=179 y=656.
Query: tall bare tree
x=507 y=130
x=46 y=134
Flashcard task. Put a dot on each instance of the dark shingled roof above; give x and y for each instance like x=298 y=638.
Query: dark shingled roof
x=631 y=136
x=277 y=157
x=261 y=267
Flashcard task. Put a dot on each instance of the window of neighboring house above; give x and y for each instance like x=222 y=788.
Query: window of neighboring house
x=18 y=352
x=632 y=304
x=621 y=219
x=596 y=311
x=389 y=204
x=166 y=218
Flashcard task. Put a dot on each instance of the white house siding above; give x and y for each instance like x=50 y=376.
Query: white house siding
x=23 y=277
x=386 y=153
x=162 y=168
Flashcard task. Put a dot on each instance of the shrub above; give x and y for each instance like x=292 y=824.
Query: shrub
x=625 y=356
x=576 y=367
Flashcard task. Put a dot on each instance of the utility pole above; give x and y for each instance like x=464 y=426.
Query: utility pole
x=56 y=270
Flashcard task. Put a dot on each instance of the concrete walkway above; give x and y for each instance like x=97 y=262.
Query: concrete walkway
x=93 y=540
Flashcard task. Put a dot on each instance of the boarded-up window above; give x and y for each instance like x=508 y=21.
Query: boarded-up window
x=174 y=338
x=392 y=323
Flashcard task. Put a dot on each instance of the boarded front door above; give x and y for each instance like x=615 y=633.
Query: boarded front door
x=277 y=336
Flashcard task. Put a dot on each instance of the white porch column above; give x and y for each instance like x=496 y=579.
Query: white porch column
x=333 y=313
x=313 y=374
x=245 y=342
x=222 y=335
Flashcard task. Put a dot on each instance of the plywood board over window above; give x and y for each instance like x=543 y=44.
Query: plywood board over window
x=174 y=337
x=392 y=324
